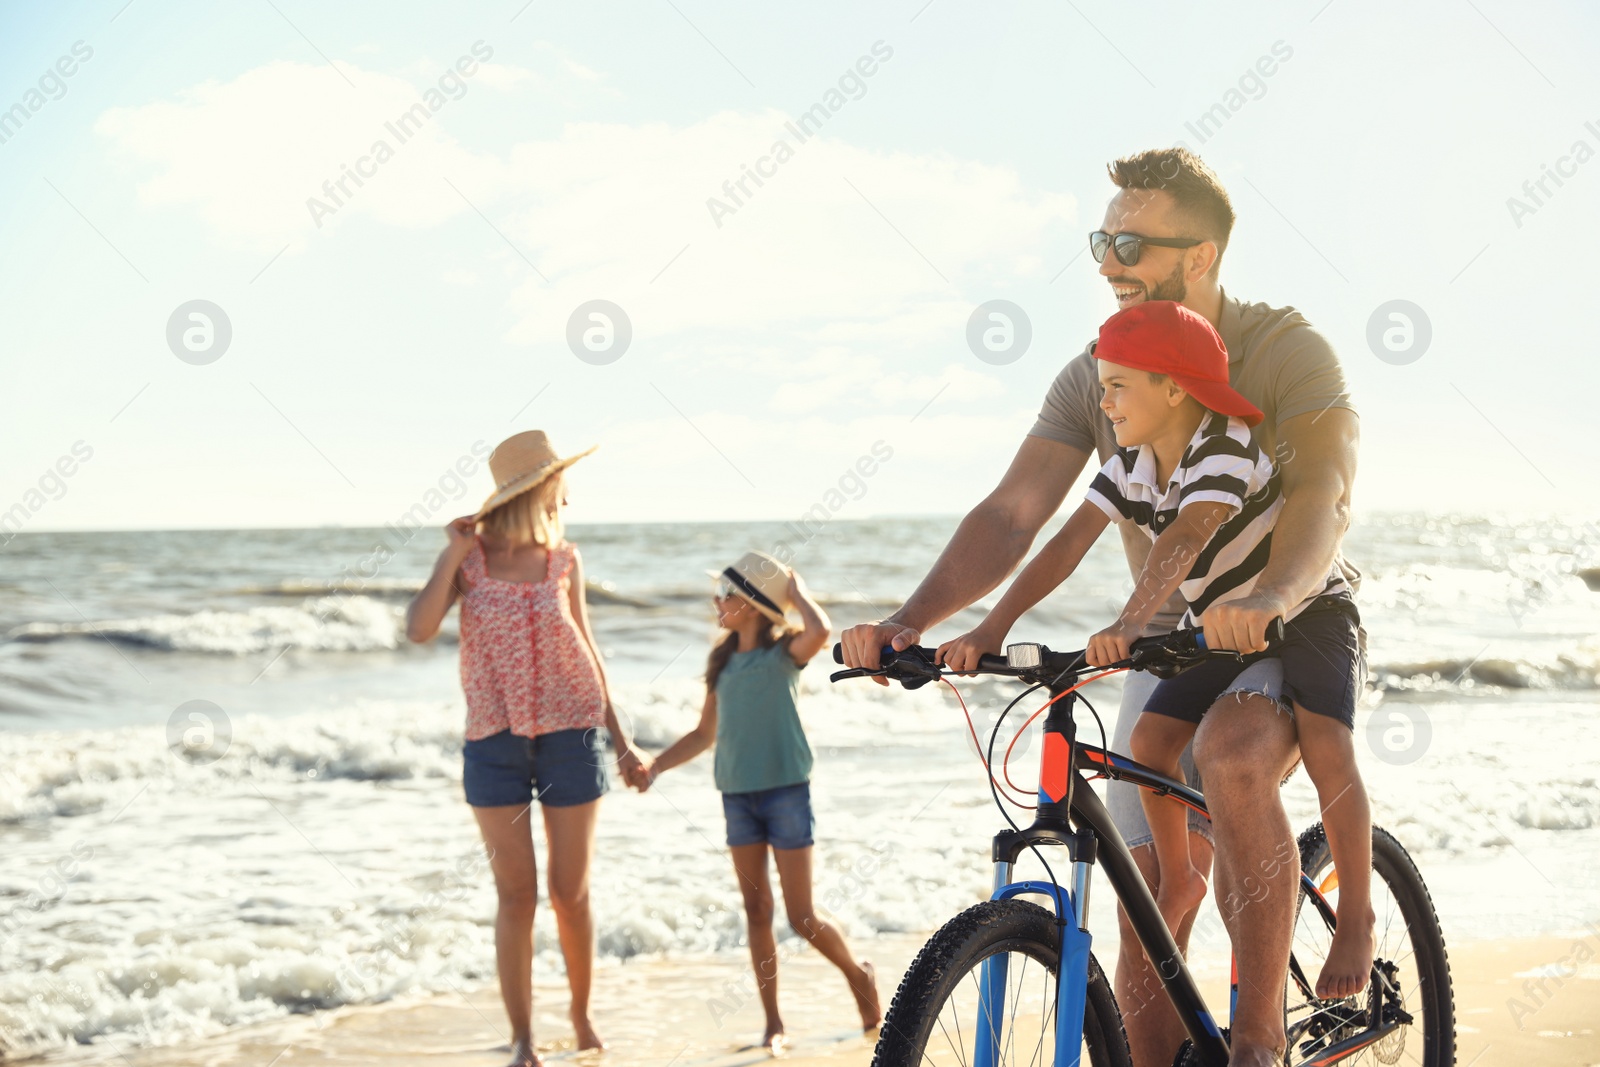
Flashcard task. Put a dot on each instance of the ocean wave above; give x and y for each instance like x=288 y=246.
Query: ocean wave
x=1577 y=670
x=403 y=589
x=319 y=624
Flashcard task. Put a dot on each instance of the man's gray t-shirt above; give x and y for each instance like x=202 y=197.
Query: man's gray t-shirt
x=1276 y=359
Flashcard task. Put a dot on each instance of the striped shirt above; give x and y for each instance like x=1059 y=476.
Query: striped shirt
x=1221 y=464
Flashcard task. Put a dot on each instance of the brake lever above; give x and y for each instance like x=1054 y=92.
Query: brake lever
x=853 y=672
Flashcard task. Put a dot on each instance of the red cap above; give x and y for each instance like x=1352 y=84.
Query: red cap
x=1165 y=337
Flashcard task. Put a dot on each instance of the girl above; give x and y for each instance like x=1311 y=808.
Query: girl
x=536 y=699
x=763 y=767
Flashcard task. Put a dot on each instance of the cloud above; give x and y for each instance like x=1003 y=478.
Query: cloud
x=247 y=155
x=841 y=242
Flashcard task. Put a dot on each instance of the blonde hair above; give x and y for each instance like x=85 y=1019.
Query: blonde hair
x=533 y=517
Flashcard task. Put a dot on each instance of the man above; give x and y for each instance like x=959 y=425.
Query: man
x=1162 y=238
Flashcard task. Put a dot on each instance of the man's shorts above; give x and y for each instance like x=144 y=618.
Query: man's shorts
x=1265 y=676
x=1322 y=662
x=560 y=769
x=778 y=817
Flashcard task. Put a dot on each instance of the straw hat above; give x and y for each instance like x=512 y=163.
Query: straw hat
x=761 y=580
x=520 y=463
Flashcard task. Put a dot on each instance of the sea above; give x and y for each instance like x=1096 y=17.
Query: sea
x=230 y=790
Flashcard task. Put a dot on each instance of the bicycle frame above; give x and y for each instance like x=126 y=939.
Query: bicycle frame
x=1070 y=814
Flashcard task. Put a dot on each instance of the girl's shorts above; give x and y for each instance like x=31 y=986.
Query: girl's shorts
x=560 y=769
x=1324 y=667
x=779 y=817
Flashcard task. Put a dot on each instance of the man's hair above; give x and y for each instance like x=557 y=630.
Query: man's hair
x=1193 y=186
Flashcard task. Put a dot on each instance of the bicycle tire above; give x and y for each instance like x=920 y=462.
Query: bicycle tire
x=1424 y=972
x=945 y=971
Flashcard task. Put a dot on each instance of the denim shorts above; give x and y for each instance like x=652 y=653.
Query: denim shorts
x=778 y=817
x=560 y=769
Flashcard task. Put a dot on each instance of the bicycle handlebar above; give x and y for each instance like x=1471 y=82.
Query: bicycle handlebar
x=1164 y=655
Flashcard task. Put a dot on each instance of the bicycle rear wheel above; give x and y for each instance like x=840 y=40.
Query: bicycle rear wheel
x=934 y=1018
x=1413 y=986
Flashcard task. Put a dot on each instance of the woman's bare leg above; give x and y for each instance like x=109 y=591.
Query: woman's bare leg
x=570 y=832
x=509 y=841
x=794 y=871
x=750 y=864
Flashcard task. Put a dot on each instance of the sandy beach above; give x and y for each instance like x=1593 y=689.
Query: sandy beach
x=1530 y=1002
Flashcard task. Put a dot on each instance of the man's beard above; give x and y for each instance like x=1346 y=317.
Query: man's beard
x=1172 y=287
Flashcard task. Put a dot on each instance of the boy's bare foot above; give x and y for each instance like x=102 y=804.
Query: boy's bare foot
x=584 y=1033
x=1180 y=893
x=774 y=1040
x=522 y=1054
x=1349 y=965
x=865 y=988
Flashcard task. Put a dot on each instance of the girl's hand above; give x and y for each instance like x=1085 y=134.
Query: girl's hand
x=637 y=769
x=1111 y=645
x=461 y=532
x=963 y=653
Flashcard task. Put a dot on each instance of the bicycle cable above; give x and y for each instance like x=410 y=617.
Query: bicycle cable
x=994 y=788
x=977 y=746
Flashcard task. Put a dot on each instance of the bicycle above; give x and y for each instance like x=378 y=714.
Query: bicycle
x=974 y=970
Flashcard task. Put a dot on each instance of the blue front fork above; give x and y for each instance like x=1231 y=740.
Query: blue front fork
x=1072 y=974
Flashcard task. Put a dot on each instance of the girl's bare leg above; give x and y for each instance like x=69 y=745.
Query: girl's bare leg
x=1328 y=748
x=509 y=841
x=794 y=870
x=750 y=864
x=570 y=832
x=1157 y=742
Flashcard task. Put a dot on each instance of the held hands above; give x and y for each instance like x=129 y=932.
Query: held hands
x=963 y=653
x=1241 y=625
x=1112 y=645
x=637 y=769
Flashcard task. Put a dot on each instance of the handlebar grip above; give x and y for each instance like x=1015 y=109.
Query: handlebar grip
x=1274 y=634
x=838 y=652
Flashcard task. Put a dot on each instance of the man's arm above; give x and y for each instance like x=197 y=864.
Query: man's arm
x=986 y=547
x=1317 y=464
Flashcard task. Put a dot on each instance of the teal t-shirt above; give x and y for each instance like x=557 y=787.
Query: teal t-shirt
x=760 y=743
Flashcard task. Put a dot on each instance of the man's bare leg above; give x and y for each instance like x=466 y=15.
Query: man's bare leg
x=1244 y=748
x=1153 y=1027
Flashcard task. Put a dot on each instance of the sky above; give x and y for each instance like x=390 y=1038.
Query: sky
x=381 y=337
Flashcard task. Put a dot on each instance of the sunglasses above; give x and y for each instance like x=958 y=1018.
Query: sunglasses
x=1127 y=246
x=724 y=589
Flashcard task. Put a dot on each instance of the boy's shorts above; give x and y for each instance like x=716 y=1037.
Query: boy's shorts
x=1323 y=668
x=778 y=817
x=561 y=769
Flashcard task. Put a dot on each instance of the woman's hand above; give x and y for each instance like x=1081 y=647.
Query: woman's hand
x=637 y=769
x=963 y=653
x=461 y=532
x=1111 y=645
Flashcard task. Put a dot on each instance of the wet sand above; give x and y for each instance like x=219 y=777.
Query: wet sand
x=1530 y=1002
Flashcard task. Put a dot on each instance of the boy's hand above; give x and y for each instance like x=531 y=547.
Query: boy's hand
x=963 y=653
x=1111 y=645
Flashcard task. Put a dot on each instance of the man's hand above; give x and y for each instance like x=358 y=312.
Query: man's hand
x=1111 y=645
x=1241 y=625
x=963 y=653
x=864 y=643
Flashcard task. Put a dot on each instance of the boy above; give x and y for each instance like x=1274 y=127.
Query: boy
x=1188 y=474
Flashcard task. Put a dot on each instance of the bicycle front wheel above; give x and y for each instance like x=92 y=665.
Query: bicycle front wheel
x=937 y=1018
x=1410 y=999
